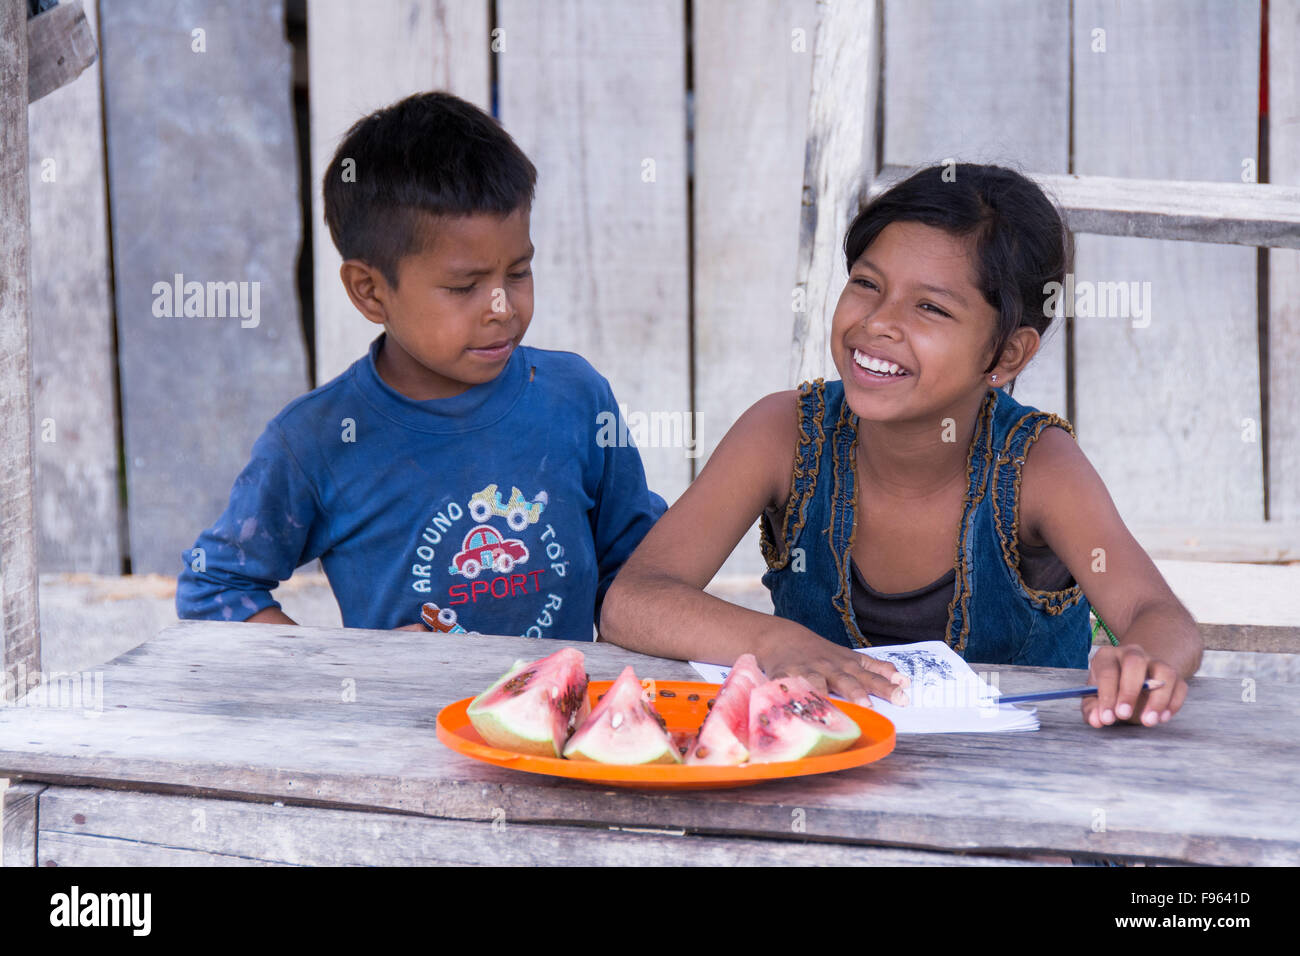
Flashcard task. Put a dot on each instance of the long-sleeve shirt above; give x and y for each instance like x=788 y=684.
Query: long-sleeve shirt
x=510 y=504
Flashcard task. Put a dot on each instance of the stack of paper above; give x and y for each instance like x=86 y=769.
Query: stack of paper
x=946 y=696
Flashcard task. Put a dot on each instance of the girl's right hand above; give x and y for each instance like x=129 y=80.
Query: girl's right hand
x=832 y=669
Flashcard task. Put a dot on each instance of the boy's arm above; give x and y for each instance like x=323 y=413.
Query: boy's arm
x=1065 y=501
x=263 y=535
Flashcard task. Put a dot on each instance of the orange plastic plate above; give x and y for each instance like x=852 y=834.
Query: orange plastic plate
x=681 y=714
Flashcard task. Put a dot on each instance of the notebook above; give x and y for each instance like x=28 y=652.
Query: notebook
x=946 y=696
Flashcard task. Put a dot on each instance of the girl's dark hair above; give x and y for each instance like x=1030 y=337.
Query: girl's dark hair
x=1020 y=240
x=431 y=154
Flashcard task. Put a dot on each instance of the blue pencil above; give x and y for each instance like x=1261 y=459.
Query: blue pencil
x=1071 y=692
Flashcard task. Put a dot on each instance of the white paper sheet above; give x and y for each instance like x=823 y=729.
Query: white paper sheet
x=946 y=696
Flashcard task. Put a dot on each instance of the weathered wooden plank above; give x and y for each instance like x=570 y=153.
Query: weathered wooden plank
x=114 y=828
x=363 y=57
x=1251 y=637
x=70 y=849
x=60 y=46
x=1246 y=214
x=963 y=111
x=1180 y=105
x=1179 y=792
x=18 y=821
x=752 y=75
x=595 y=94
x=1247 y=595
x=204 y=184
x=78 y=515
x=1283 y=268
x=20 y=637
x=840 y=163
x=1260 y=542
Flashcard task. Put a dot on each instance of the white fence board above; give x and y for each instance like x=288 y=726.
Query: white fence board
x=1164 y=399
x=203 y=182
x=1001 y=96
x=20 y=641
x=840 y=160
x=362 y=57
x=74 y=391
x=595 y=94
x=752 y=76
x=1284 y=268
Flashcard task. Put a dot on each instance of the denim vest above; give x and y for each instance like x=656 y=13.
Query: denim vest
x=993 y=616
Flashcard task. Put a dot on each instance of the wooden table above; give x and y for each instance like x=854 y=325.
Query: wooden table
x=240 y=744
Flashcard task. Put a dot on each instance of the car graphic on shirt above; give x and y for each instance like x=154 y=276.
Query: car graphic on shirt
x=485 y=550
x=518 y=511
x=440 y=619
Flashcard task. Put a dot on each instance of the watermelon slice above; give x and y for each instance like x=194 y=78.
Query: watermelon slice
x=724 y=735
x=789 y=720
x=534 y=707
x=623 y=728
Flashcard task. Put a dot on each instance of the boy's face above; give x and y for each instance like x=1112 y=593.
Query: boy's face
x=460 y=308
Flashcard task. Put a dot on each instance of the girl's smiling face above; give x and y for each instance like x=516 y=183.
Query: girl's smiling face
x=912 y=334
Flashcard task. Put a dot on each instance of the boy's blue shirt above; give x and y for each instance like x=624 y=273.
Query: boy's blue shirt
x=388 y=491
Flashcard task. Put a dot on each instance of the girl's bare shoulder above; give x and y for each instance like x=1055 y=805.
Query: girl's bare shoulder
x=1055 y=472
x=762 y=443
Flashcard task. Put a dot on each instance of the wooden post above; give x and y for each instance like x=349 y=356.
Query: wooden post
x=840 y=163
x=60 y=45
x=20 y=641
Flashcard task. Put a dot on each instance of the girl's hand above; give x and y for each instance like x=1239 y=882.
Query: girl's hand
x=1118 y=673
x=832 y=669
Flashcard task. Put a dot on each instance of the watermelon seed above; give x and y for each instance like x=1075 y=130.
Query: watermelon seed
x=617 y=721
x=682 y=751
x=667 y=693
x=702 y=752
x=762 y=719
x=693 y=697
x=712 y=701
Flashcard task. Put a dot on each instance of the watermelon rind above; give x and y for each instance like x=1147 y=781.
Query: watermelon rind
x=723 y=738
x=790 y=720
x=540 y=717
x=623 y=729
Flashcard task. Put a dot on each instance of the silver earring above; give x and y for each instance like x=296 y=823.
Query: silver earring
x=995 y=378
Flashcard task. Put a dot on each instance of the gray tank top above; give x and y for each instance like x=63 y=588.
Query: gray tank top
x=922 y=615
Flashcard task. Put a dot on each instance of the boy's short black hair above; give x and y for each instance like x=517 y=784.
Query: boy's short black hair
x=1021 y=244
x=429 y=155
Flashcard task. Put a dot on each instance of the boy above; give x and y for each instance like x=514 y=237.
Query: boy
x=451 y=465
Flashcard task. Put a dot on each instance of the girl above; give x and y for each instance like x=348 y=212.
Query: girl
x=924 y=501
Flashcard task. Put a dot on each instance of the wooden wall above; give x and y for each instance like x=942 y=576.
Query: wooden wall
x=595 y=93
x=1284 y=267
x=752 y=78
x=1162 y=408
x=671 y=158
x=362 y=57
x=202 y=175
x=966 y=110
x=20 y=641
x=1167 y=403
x=78 y=514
